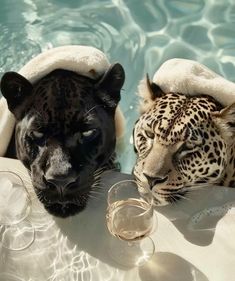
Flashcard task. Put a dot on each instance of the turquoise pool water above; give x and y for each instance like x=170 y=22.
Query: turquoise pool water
x=140 y=34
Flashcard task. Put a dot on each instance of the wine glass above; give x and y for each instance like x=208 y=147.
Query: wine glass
x=130 y=217
x=16 y=232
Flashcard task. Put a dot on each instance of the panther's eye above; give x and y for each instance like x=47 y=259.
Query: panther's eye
x=149 y=134
x=89 y=135
x=37 y=137
x=36 y=134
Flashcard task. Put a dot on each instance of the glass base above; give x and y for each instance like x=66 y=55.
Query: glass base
x=15 y=202
x=17 y=237
x=131 y=254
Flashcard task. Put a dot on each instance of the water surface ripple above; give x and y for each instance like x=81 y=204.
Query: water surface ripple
x=140 y=35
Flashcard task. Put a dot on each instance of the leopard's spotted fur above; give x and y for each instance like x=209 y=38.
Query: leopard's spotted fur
x=181 y=142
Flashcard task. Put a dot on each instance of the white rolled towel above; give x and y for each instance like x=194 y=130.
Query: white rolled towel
x=85 y=60
x=192 y=78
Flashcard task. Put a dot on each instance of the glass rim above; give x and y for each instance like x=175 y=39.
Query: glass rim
x=28 y=208
x=134 y=181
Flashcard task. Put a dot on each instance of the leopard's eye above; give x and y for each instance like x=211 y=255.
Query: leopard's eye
x=190 y=145
x=149 y=134
x=89 y=135
x=187 y=149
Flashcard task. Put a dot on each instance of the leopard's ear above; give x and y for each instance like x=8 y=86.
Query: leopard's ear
x=225 y=121
x=15 y=88
x=110 y=84
x=148 y=92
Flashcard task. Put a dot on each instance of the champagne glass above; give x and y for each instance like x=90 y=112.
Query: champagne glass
x=130 y=218
x=16 y=232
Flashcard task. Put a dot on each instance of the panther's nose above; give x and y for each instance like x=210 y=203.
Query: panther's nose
x=60 y=183
x=152 y=181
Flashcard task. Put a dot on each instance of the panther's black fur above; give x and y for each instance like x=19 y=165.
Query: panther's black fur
x=64 y=133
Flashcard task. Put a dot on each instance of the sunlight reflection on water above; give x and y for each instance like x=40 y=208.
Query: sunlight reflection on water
x=140 y=35
x=63 y=249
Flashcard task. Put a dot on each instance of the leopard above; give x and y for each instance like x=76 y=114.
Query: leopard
x=64 y=133
x=182 y=143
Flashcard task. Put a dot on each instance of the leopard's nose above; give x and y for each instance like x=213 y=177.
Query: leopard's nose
x=152 y=181
x=60 y=184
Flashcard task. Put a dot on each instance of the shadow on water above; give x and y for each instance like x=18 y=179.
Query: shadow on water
x=88 y=229
x=197 y=217
x=76 y=248
x=166 y=266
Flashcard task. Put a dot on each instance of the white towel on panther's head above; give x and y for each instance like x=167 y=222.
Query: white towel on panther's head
x=192 y=78
x=85 y=60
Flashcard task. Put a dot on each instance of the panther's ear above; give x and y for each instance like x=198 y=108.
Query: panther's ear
x=225 y=121
x=110 y=84
x=148 y=92
x=15 y=88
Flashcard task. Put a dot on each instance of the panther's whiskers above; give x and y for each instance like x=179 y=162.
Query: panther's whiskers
x=93 y=197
